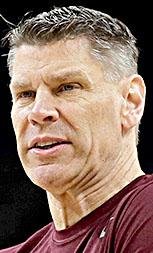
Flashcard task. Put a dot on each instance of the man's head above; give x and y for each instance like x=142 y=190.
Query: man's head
x=77 y=97
x=111 y=41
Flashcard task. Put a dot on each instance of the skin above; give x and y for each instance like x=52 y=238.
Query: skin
x=59 y=91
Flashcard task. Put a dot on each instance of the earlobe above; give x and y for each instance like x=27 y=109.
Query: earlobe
x=133 y=102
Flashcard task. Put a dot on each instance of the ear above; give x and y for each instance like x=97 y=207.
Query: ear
x=133 y=102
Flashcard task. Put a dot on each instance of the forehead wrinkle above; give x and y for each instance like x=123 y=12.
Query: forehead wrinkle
x=64 y=74
x=18 y=84
x=46 y=77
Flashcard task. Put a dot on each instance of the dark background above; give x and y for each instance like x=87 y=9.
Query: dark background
x=23 y=206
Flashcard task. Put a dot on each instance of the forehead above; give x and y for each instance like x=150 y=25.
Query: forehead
x=76 y=50
x=54 y=57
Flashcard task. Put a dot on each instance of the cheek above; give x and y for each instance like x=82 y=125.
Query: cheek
x=16 y=120
x=19 y=122
x=19 y=115
x=105 y=121
x=75 y=115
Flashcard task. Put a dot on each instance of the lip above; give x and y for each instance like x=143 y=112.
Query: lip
x=42 y=139
x=53 y=151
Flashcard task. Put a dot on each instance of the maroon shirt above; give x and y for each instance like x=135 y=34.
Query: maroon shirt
x=123 y=224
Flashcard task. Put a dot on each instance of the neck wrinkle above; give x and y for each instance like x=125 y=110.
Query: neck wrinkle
x=94 y=189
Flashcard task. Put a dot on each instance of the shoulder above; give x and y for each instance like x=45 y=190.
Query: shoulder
x=134 y=219
x=140 y=196
x=136 y=190
x=11 y=249
x=30 y=243
x=137 y=200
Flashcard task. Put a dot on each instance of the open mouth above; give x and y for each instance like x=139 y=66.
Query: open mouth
x=45 y=146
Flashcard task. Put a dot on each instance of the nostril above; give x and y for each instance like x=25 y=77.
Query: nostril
x=40 y=121
x=49 y=118
x=43 y=116
x=33 y=122
x=53 y=117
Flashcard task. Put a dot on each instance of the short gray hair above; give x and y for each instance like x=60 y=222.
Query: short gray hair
x=111 y=40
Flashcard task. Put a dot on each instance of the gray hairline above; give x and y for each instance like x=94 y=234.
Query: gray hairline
x=112 y=56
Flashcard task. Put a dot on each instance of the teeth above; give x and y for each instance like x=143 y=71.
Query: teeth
x=42 y=144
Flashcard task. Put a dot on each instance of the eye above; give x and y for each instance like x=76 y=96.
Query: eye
x=68 y=87
x=26 y=94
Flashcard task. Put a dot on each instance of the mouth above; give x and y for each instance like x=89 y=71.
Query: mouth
x=45 y=146
x=47 y=143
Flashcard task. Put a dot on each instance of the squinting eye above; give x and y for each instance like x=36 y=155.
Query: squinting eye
x=26 y=94
x=68 y=87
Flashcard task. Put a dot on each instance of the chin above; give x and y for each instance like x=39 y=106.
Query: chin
x=50 y=178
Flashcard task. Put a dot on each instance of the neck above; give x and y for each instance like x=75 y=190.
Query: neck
x=76 y=203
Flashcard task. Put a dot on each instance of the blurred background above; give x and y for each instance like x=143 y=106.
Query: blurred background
x=23 y=206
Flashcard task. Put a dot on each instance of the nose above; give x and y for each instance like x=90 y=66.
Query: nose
x=43 y=111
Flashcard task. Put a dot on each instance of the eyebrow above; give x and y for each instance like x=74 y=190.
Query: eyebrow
x=18 y=85
x=61 y=75
x=64 y=74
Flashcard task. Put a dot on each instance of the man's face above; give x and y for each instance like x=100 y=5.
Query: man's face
x=66 y=117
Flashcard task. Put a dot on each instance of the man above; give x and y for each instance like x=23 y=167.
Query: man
x=77 y=104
